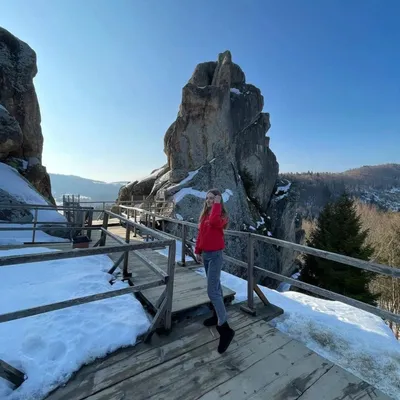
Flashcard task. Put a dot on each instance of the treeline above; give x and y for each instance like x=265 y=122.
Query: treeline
x=361 y=231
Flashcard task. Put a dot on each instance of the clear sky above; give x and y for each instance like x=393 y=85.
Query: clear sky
x=111 y=74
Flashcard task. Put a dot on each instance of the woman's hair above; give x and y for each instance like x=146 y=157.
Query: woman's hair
x=206 y=210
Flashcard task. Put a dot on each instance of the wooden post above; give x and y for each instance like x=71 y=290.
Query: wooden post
x=134 y=218
x=11 y=374
x=183 y=252
x=126 y=255
x=34 y=225
x=250 y=277
x=147 y=225
x=170 y=285
x=104 y=234
x=90 y=224
x=154 y=224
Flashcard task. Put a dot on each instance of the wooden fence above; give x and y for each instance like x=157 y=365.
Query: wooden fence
x=163 y=315
x=73 y=226
x=251 y=238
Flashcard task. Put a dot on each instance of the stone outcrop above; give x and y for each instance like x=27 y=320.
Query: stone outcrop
x=20 y=131
x=219 y=140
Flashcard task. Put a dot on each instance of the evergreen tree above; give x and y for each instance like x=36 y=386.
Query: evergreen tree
x=339 y=231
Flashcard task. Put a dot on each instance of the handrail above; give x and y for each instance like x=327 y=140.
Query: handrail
x=353 y=262
x=44 y=207
x=164 y=313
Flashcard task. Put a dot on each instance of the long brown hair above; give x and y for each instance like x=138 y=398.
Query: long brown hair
x=206 y=210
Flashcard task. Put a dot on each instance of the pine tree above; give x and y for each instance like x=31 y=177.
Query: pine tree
x=339 y=231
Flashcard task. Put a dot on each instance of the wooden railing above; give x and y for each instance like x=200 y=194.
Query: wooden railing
x=163 y=315
x=69 y=226
x=133 y=212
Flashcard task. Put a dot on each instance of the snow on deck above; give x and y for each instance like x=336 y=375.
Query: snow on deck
x=357 y=341
x=48 y=348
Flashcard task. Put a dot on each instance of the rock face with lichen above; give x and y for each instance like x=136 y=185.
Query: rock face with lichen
x=21 y=139
x=219 y=139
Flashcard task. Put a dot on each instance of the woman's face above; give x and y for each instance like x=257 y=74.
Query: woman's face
x=210 y=199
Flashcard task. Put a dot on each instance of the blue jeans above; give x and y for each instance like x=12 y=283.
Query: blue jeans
x=213 y=266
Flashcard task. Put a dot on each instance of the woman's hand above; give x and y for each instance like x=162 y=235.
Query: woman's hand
x=217 y=199
x=199 y=258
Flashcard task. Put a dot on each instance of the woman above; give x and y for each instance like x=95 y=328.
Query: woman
x=209 y=246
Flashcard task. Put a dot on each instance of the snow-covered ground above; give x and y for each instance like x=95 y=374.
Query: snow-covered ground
x=13 y=183
x=197 y=193
x=357 y=341
x=21 y=237
x=48 y=348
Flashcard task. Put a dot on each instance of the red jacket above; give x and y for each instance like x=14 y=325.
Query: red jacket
x=211 y=231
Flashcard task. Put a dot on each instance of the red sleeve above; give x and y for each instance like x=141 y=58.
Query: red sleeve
x=197 y=249
x=216 y=220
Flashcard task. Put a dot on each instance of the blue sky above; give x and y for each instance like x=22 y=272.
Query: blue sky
x=111 y=74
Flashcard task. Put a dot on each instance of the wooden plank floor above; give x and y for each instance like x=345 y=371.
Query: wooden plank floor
x=261 y=363
x=190 y=288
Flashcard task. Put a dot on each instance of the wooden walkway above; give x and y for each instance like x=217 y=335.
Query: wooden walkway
x=190 y=288
x=261 y=364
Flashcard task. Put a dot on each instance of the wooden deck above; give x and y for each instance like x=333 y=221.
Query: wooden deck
x=261 y=364
x=190 y=288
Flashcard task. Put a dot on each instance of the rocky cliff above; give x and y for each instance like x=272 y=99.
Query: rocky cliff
x=219 y=139
x=21 y=139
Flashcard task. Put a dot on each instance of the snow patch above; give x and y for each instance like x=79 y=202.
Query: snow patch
x=190 y=176
x=197 y=193
x=12 y=182
x=252 y=228
x=20 y=237
x=261 y=222
x=236 y=91
x=357 y=341
x=49 y=347
x=284 y=188
x=269 y=234
x=179 y=216
x=282 y=196
x=227 y=194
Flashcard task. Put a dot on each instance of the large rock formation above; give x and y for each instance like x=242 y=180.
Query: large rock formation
x=219 y=140
x=20 y=132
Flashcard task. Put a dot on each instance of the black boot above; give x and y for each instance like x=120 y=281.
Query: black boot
x=213 y=320
x=226 y=335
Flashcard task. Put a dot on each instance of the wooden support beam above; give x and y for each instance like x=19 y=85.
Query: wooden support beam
x=11 y=374
x=157 y=320
x=76 y=302
x=261 y=295
x=116 y=264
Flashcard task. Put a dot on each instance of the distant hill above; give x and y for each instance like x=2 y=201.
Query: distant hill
x=87 y=188
x=378 y=184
